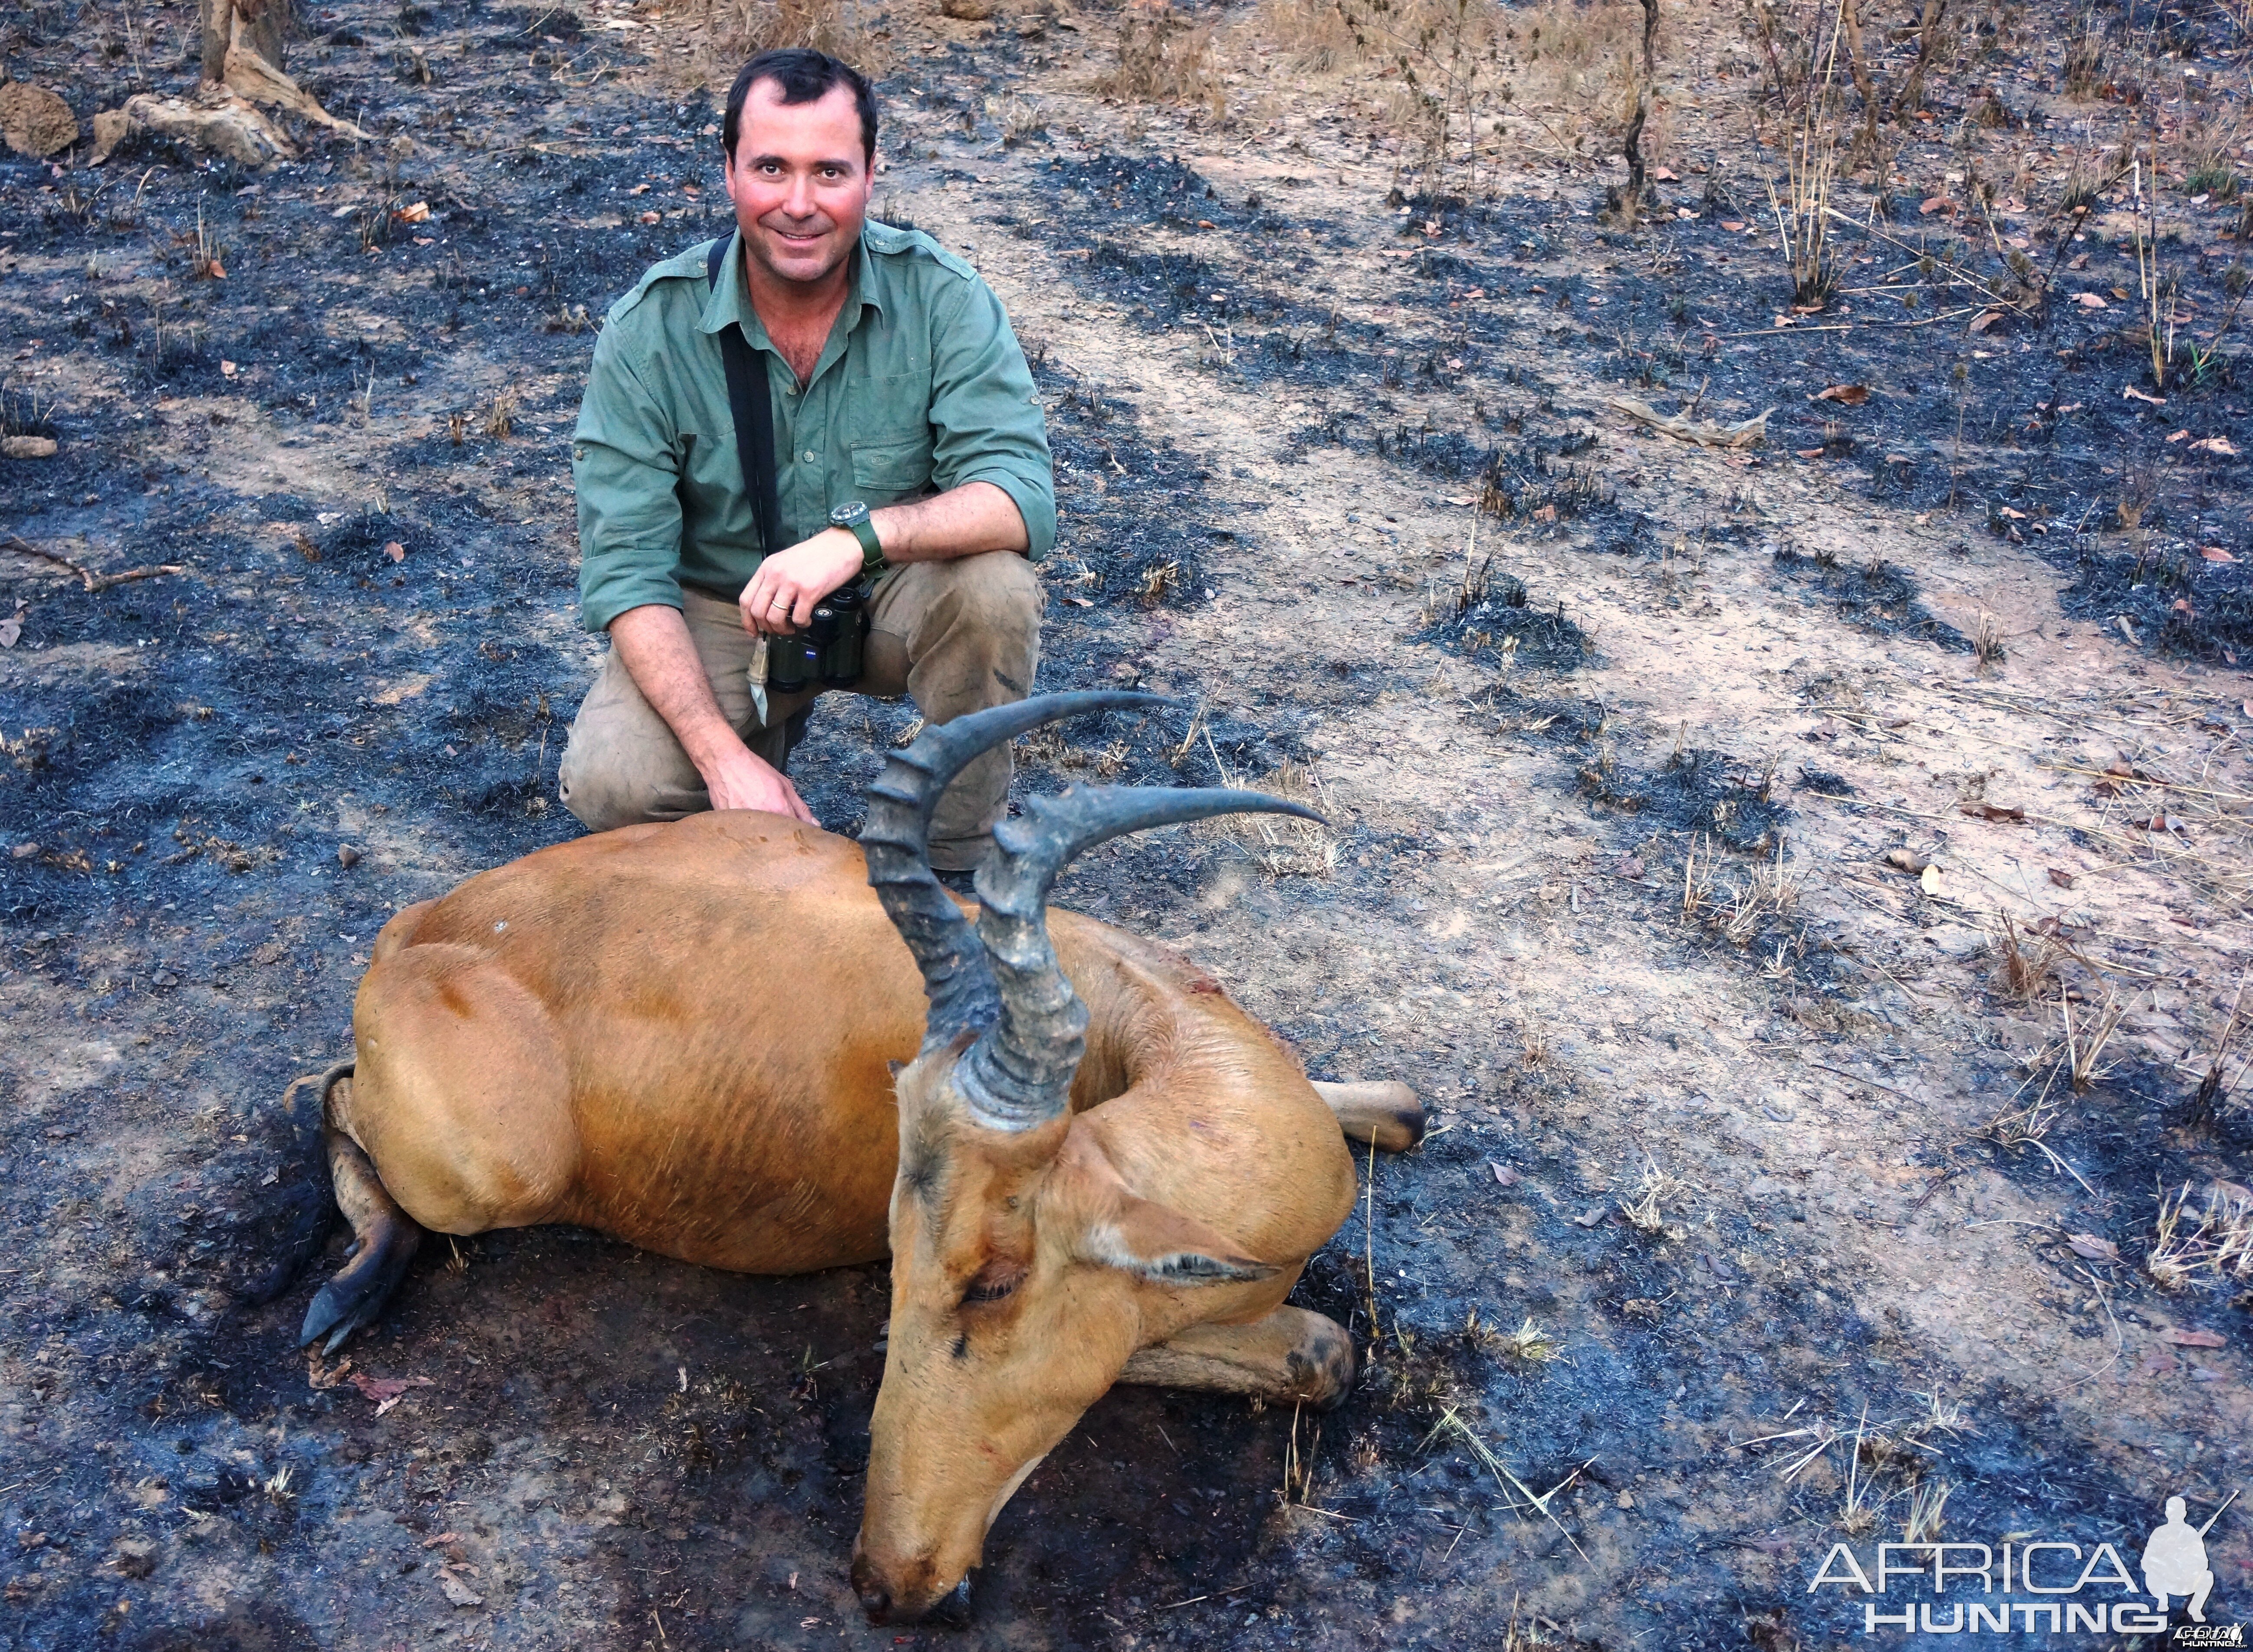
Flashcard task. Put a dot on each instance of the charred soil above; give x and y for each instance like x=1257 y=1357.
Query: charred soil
x=1806 y=880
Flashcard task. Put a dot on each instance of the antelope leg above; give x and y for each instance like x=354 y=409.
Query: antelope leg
x=384 y=1239
x=1385 y=1113
x=1289 y=1354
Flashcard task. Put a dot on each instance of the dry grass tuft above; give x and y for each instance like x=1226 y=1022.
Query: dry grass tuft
x=1646 y=1213
x=500 y=415
x=2220 y=1245
x=733 y=31
x=1164 y=57
x=1528 y=1345
x=2084 y=1046
x=1284 y=846
x=1740 y=909
x=1803 y=63
x=1925 y=1506
x=2022 y=972
x=1157 y=580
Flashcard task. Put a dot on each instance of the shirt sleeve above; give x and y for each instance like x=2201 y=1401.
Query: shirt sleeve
x=986 y=421
x=625 y=467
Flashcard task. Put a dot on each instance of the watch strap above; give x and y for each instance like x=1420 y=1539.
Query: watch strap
x=872 y=549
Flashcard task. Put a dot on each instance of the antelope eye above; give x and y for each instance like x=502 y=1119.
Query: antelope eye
x=985 y=1290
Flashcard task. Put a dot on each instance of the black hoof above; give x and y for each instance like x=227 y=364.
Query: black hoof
x=357 y=1294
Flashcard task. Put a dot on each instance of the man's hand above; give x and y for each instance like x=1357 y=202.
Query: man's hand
x=737 y=779
x=780 y=598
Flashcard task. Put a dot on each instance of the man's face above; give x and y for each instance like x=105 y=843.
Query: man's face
x=799 y=181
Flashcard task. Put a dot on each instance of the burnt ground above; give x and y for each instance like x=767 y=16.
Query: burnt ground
x=1626 y=745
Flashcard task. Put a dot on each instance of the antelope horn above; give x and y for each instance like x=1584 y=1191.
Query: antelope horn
x=1018 y=1073
x=896 y=840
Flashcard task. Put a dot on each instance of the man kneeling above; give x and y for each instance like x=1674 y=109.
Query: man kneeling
x=909 y=459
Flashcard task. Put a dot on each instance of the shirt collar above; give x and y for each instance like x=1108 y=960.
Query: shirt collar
x=729 y=303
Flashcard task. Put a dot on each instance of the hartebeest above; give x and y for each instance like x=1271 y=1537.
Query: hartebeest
x=1094 y=1168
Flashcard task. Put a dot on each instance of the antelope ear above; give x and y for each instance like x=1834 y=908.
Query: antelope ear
x=1163 y=1247
x=1112 y=1228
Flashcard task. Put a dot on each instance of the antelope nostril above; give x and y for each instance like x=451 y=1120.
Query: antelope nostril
x=877 y=1601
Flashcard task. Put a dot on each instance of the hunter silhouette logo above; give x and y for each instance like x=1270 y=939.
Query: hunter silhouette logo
x=2175 y=1561
x=1937 y=1587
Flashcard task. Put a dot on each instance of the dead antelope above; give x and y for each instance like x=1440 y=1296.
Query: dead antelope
x=1094 y=1168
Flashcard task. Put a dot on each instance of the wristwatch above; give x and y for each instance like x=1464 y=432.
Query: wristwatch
x=854 y=519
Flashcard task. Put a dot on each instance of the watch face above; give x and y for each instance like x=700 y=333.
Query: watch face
x=846 y=515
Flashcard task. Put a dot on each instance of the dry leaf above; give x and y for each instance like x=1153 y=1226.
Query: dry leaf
x=13 y=627
x=1992 y=810
x=1932 y=203
x=459 y=1593
x=1502 y=1174
x=1985 y=319
x=394 y=550
x=2016 y=516
x=227 y=370
x=2090 y=300
x=1930 y=879
x=2121 y=293
x=1665 y=176
x=1809 y=453
x=2096 y=1249
x=1079 y=602
x=647 y=218
x=2181 y=1338
x=1904 y=860
x=2063 y=880
x=418 y=213
x=2215 y=554
x=1733 y=225
x=387 y=1388
x=2215 y=444
x=1590 y=1218
x=2130 y=393
x=1851 y=394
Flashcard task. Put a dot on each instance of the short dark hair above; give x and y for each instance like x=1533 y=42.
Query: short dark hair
x=805 y=76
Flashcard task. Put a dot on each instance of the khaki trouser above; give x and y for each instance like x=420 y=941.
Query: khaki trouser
x=956 y=637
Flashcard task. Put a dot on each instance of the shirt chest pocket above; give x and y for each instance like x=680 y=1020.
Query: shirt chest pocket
x=895 y=466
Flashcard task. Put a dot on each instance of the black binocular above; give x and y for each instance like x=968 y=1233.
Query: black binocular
x=828 y=652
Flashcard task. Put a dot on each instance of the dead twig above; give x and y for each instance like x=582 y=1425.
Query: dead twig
x=1743 y=434
x=87 y=576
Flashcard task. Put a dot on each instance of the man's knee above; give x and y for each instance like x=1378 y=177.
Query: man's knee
x=620 y=771
x=598 y=794
x=995 y=593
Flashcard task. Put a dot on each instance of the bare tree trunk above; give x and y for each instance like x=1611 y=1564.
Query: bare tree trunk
x=261 y=27
x=1850 y=17
x=243 y=46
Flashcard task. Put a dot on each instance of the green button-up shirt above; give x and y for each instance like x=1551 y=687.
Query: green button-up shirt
x=921 y=388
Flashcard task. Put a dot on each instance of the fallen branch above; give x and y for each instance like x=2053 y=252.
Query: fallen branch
x=1743 y=434
x=92 y=581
